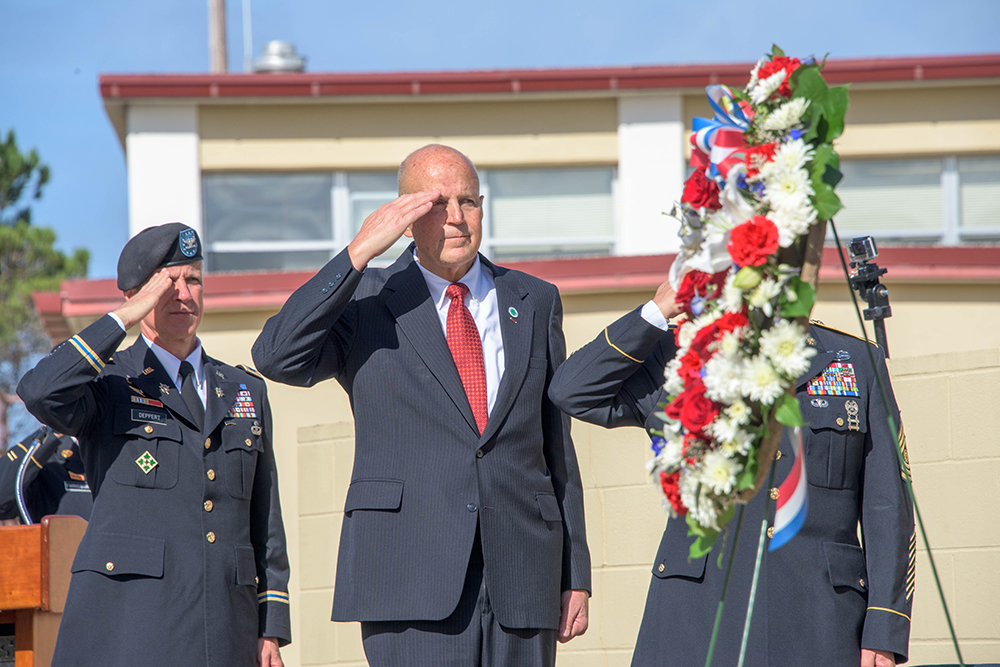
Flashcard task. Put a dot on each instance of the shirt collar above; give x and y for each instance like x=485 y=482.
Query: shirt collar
x=172 y=365
x=473 y=279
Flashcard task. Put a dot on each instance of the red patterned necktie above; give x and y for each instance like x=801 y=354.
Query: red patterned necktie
x=467 y=351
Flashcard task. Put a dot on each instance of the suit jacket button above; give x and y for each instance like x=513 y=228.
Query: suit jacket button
x=208 y=443
x=209 y=505
x=147 y=428
x=109 y=566
x=862 y=582
x=337 y=277
x=325 y=290
x=661 y=568
x=211 y=475
x=774 y=494
x=471 y=507
x=210 y=537
x=480 y=454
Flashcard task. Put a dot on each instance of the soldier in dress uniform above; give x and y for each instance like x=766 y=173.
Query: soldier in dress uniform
x=184 y=560
x=823 y=598
x=46 y=471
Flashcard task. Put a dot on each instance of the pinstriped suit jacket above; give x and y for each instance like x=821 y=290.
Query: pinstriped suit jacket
x=423 y=476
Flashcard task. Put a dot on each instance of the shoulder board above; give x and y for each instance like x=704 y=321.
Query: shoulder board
x=250 y=369
x=840 y=331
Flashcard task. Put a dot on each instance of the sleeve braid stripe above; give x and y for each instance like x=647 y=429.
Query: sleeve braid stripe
x=272 y=596
x=88 y=354
x=638 y=361
x=36 y=462
x=891 y=611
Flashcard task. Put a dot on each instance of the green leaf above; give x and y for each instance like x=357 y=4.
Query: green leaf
x=776 y=51
x=802 y=305
x=748 y=277
x=787 y=411
x=747 y=475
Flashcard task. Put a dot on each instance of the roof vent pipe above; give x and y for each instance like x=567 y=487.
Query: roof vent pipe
x=278 y=56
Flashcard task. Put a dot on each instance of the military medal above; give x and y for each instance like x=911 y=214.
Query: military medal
x=853 y=423
x=244 y=406
x=255 y=429
x=837 y=379
x=146 y=462
x=219 y=392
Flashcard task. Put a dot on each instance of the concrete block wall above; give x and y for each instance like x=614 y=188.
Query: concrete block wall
x=949 y=405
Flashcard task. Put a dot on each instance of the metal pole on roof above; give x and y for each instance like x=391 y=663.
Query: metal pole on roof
x=247 y=39
x=217 y=36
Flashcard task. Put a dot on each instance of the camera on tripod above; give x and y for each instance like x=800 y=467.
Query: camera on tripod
x=865 y=280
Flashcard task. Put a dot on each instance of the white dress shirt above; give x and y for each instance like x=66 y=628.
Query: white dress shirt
x=482 y=303
x=172 y=365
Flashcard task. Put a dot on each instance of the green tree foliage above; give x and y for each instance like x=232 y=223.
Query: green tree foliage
x=29 y=263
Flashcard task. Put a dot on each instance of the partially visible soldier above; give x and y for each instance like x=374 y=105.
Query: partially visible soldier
x=184 y=559
x=53 y=480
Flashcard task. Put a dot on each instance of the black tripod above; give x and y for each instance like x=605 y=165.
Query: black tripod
x=866 y=281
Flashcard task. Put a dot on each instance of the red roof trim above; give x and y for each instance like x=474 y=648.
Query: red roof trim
x=309 y=84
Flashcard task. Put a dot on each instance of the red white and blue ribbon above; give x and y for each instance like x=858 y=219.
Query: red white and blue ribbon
x=792 y=499
x=716 y=143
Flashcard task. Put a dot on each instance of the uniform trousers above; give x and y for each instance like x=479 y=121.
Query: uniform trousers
x=470 y=637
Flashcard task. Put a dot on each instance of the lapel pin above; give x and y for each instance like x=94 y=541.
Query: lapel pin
x=811 y=340
x=164 y=389
x=219 y=373
x=147 y=370
x=842 y=355
x=219 y=392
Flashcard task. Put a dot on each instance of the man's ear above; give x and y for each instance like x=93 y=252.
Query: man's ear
x=129 y=293
x=408 y=232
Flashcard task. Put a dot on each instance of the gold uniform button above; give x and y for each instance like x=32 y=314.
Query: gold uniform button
x=770 y=531
x=862 y=582
x=109 y=566
x=211 y=475
x=256 y=580
x=148 y=428
x=249 y=444
x=840 y=421
x=209 y=505
x=661 y=568
x=777 y=455
x=208 y=443
x=774 y=494
x=210 y=537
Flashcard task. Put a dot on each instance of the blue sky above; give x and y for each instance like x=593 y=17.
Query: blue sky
x=54 y=51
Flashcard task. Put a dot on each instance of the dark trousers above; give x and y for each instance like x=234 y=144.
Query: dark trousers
x=470 y=637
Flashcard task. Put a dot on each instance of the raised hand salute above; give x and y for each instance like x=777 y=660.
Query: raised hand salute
x=387 y=224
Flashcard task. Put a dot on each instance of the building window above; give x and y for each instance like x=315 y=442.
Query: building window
x=944 y=200
x=255 y=222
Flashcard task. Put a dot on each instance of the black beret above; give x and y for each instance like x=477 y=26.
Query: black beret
x=165 y=245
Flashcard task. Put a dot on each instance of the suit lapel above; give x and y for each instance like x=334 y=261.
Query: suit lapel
x=516 y=323
x=411 y=306
x=149 y=376
x=221 y=393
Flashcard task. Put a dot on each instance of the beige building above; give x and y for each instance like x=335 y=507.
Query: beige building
x=278 y=171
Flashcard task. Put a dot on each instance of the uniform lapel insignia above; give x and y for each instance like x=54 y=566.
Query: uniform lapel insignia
x=164 y=389
x=147 y=370
x=811 y=340
x=146 y=462
x=219 y=392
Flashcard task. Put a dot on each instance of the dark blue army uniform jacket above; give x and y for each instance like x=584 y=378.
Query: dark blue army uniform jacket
x=53 y=480
x=821 y=596
x=184 y=559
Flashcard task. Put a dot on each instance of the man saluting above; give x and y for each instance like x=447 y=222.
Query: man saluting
x=184 y=560
x=463 y=540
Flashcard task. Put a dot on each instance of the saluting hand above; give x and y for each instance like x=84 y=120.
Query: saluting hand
x=666 y=299
x=386 y=225
x=142 y=302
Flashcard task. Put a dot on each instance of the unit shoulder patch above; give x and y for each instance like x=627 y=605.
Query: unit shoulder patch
x=841 y=331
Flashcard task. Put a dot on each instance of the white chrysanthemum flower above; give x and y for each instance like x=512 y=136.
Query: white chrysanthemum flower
x=739 y=412
x=674 y=385
x=723 y=374
x=762 y=296
x=729 y=342
x=785 y=345
x=699 y=504
x=792 y=219
x=789 y=156
x=722 y=428
x=686 y=334
x=731 y=298
x=787 y=116
x=761 y=382
x=766 y=87
x=738 y=445
x=787 y=188
x=753 y=74
x=719 y=472
x=672 y=453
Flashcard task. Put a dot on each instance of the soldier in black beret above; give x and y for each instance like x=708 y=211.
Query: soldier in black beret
x=184 y=560
x=42 y=475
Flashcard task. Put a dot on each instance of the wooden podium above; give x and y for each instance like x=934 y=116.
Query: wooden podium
x=35 y=566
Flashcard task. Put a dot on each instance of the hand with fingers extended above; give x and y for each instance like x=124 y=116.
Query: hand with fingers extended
x=386 y=225
x=142 y=302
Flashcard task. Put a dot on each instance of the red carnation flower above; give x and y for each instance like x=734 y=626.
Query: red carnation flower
x=731 y=322
x=691 y=365
x=669 y=484
x=757 y=157
x=705 y=337
x=780 y=63
x=698 y=412
x=701 y=191
x=751 y=243
x=698 y=283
